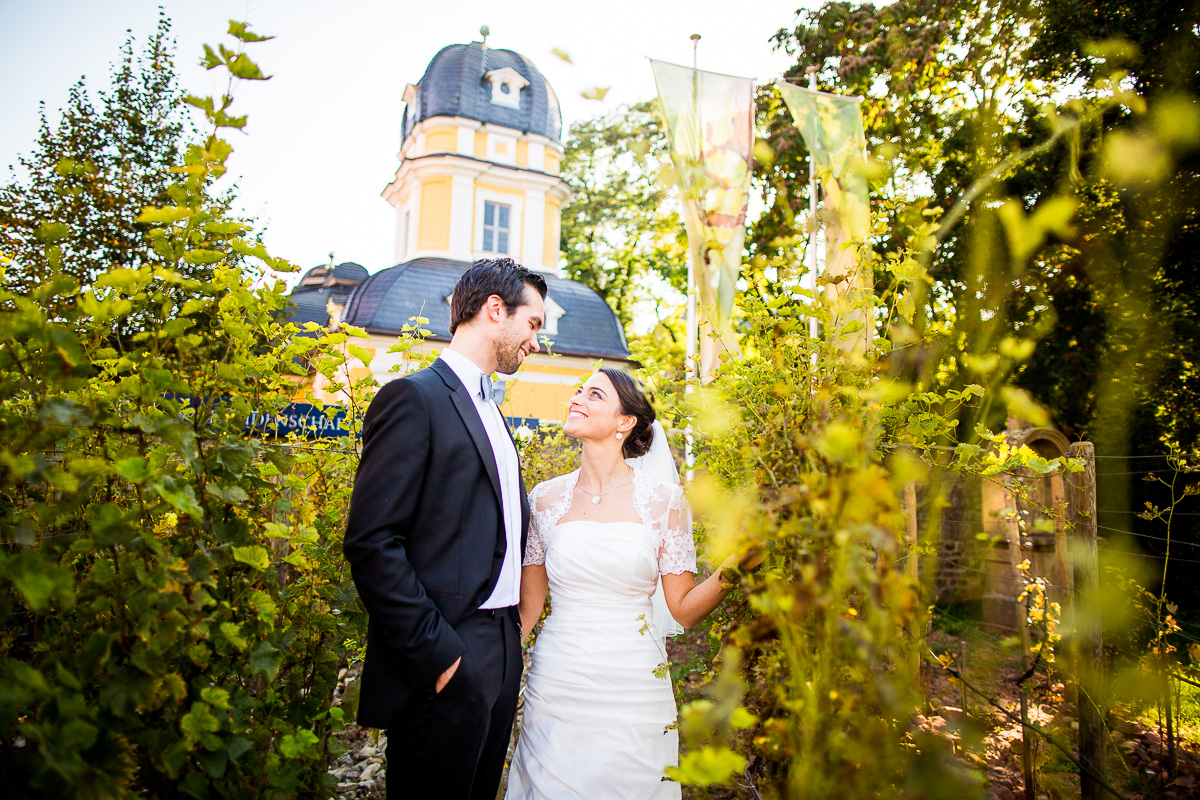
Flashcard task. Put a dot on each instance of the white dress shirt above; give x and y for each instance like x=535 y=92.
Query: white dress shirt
x=508 y=588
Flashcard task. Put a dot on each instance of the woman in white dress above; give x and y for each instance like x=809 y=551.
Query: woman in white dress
x=599 y=708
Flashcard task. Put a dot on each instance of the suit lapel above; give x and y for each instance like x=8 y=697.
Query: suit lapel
x=525 y=513
x=465 y=406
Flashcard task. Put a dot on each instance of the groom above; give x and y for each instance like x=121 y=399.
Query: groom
x=435 y=538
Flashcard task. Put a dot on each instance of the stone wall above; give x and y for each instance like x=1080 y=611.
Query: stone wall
x=947 y=510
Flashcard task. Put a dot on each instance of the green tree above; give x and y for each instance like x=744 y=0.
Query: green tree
x=173 y=600
x=953 y=92
x=1081 y=236
x=620 y=233
x=87 y=179
x=1157 y=44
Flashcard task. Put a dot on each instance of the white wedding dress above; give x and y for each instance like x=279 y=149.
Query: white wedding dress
x=599 y=710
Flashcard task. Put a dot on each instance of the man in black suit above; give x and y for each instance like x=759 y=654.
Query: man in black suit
x=435 y=539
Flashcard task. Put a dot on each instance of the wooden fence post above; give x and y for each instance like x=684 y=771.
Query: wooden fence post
x=1088 y=646
x=962 y=670
x=1064 y=575
x=910 y=510
x=1027 y=748
x=1016 y=554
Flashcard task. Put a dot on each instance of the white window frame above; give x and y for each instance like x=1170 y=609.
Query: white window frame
x=554 y=312
x=510 y=78
x=496 y=230
x=516 y=207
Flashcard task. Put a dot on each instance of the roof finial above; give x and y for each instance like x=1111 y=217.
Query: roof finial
x=484 y=31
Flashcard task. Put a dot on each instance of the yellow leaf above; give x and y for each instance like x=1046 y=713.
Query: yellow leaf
x=159 y=216
x=361 y=353
x=763 y=153
x=1016 y=349
x=981 y=364
x=1133 y=158
x=1022 y=406
x=708 y=765
x=1176 y=119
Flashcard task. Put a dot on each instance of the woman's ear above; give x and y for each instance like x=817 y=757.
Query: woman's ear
x=626 y=423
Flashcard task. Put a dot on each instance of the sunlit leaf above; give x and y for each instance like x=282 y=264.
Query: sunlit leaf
x=254 y=555
x=241 y=30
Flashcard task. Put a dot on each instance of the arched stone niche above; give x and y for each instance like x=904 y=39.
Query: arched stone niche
x=1046 y=442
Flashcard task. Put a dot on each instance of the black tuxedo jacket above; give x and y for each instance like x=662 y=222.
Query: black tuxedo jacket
x=425 y=534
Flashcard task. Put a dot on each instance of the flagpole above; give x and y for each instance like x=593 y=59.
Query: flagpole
x=812 y=217
x=691 y=340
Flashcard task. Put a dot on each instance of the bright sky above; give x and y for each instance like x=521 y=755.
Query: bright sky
x=324 y=132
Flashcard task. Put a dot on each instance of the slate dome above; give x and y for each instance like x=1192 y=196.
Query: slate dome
x=454 y=85
x=320 y=286
x=386 y=302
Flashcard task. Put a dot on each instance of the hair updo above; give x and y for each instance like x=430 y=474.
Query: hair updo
x=634 y=403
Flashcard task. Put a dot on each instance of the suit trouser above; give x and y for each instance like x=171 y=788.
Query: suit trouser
x=451 y=744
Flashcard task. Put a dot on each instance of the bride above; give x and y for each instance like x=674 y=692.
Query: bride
x=599 y=709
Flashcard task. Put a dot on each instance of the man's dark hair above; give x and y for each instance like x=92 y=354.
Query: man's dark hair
x=502 y=277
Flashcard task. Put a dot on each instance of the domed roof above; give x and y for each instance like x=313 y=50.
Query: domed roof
x=322 y=285
x=455 y=85
x=387 y=300
x=346 y=272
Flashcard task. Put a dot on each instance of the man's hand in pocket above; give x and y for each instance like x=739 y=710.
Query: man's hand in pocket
x=445 y=677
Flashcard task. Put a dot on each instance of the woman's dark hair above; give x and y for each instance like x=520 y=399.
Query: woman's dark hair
x=635 y=403
x=502 y=277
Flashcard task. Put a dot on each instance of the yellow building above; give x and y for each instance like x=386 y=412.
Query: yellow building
x=478 y=178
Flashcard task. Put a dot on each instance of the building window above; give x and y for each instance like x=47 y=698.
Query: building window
x=507 y=84
x=554 y=312
x=495 y=227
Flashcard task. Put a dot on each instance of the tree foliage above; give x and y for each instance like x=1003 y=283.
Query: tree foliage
x=1048 y=152
x=620 y=233
x=172 y=595
x=88 y=177
x=1023 y=219
x=953 y=92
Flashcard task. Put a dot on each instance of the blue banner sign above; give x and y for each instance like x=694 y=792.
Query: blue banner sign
x=303 y=418
x=314 y=422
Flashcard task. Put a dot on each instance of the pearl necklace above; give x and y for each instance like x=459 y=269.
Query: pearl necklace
x=596 y=497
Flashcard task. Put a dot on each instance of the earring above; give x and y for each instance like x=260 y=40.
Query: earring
x=619 y=434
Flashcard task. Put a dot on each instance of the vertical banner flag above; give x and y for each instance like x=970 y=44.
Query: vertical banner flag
x=710 y=128
x=832 y=127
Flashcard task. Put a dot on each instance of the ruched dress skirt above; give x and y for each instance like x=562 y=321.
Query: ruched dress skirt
x=599 y=710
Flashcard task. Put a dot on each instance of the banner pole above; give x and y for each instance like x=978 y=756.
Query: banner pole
x=692 y=334
x=812 y=217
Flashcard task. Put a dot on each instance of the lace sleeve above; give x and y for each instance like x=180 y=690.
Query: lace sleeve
x=677 y=551
x=535 y=546
x=548 y=501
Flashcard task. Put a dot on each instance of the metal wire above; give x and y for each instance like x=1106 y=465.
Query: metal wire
x=1101 y=527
